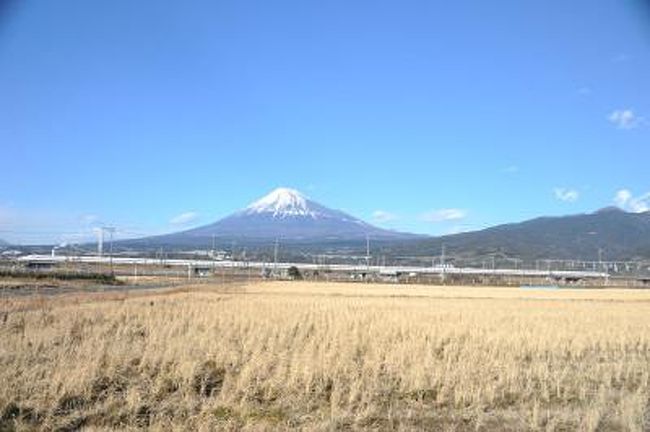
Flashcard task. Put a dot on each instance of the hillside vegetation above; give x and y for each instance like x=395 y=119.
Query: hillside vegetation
x=620 y=236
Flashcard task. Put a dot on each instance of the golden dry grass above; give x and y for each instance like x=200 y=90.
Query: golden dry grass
x=318 y=356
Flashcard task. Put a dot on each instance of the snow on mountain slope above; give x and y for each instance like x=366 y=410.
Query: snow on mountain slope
x=283 y=202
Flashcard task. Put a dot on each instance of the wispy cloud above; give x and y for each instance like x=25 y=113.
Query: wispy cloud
x=444 y=215
x=382 y=216
x=21 y=226
x=566 y=195
x=90 y=219
x=585 y=91
x=627 y=201
x=41 y=226
x=456 y=229
x=184 y=218
x=511 y=169
x=622 y=197
x=625 y=119
x=620 y=57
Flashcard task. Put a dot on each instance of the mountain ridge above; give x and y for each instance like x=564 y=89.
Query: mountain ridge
x=287 y=216
x=284 y=214
x=609 y=233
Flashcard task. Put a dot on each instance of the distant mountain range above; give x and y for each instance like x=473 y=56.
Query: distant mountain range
x=290 y=217
x=284 y=214
x=3 y=243
x=608 y=234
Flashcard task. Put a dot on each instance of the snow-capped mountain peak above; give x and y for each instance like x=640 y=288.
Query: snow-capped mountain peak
x=288 y=215
x=283 y=202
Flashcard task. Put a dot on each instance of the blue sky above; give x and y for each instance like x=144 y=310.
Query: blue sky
x=431 y=117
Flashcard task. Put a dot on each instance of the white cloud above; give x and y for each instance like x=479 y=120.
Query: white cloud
x=625 y=200
x=641 y=204
x=90 y=219
x=566 y=195
x=444 y=215
x=585 y=91
x=37 y=226
x=625 y=119
x=41 y=226
x=622 y=197
x=620 y=57
x=184 y=218
x=381 y=216
x=456 y=229
x=512 y=169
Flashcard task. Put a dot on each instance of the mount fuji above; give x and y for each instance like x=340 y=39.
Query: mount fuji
x=283 y=214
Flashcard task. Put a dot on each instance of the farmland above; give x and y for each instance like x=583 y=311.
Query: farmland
x=325 y=356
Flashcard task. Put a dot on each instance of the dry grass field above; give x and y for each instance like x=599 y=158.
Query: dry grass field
x=315 y=356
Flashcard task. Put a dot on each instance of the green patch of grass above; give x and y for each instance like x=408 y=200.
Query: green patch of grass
x=271 y=415
x=225 y=413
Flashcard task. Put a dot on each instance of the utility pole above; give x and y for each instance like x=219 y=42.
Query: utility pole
x=100 y=241
x=367 y=252
x=367 y=276
x=600 y=258
x=100 y=246
x=442 y=262
x=275 y=256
